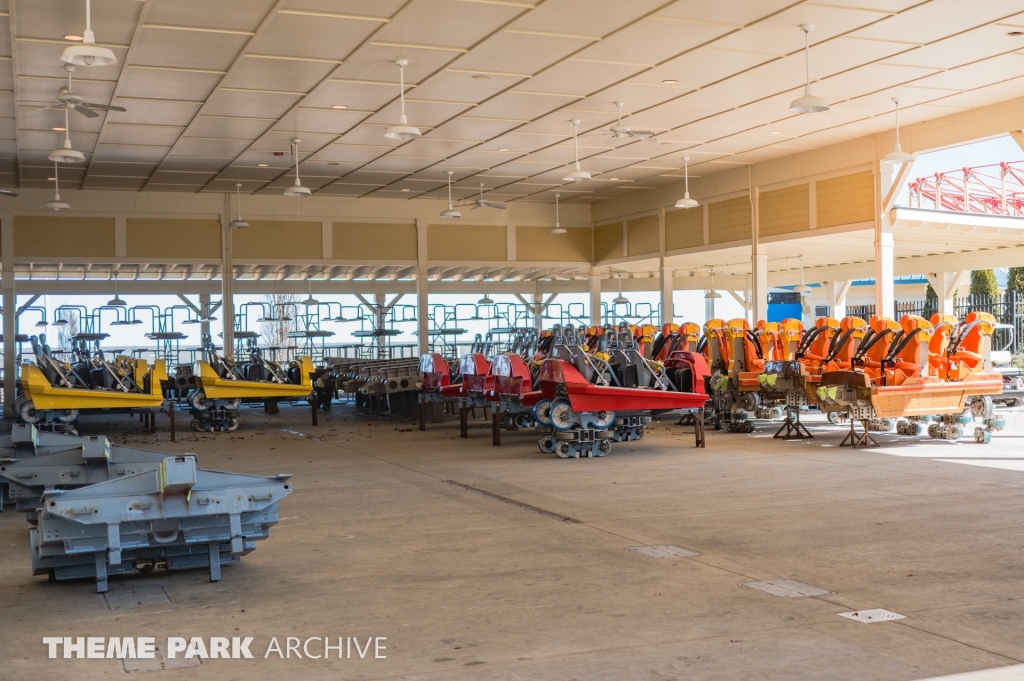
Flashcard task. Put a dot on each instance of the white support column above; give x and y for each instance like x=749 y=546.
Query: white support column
x=667 y=289
x=886 y=192
x=227 y=280
x=595 y=296
x=204 y=312
x=538 y=312
x=380 y=310
x=422 y=284
x=744 y=301
x=835 y=294
x=945 y=285
x=422 y=311
x=759 y=283
x=10 y=303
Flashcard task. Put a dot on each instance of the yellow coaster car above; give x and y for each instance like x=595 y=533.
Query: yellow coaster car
x=136 y=385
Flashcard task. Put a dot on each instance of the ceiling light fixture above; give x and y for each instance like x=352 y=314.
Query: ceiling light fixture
x=59 y=129
x=808 y=103
x=406 y=189
x=620 y=299
x=897 y=155
x=576 y=175
x=56 y=203
x=116 y=301
x=504 y=149
x=403 y=131
x=88 y=53
x=486 y=299
x=451 y=213
x=803 y=289
x=262 y=165
x=557 y=229
x=712 y=294
x=238 y=222
x=66 y=154
x=686 y=201
x=72 y=37
x=481 y=76
x=1015 y=33
x=310 y=301
x=339 y=106
x=776 y=132
x=670 y=81
x=297 y=189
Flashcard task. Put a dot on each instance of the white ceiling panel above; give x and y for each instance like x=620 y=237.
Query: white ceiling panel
x=350 y=152
x=580 y=77
x=838 y=55
x=125 y=183
x=673 y=114
x=653 y=40
x=157 y=112
x=474 y=128
x=166 y=177
x=586 y=17
x=170 y=85
x=438 y=148
x=209 y=146
x=340 y=189
x=208 y=164
x=291 y=75
x=981 y=43
x=132 y=153
x=978 y=74
x=252 y=157
x=404 y=164
x=780 y=33
x=187 y=49
x=424 y=113
x=34 y=118
x=39 y=139
x=523 y=106
x=463 y=87
x=931 y=21
x=364 y=96
x=518 y=142
x=248 y=186
x=318 y=37
x=377 y=63
x=324 y=121
x=462 y=24
x=242 y=103
x=702 y=67
x=520 y=53
x=736 y=13
x=113 y=20
x=867 y=79
x=141 y=134
x=280 y=140
x=560 y=122
x=484 y=158
x=229 y=127
x=371 y=135
x=378 y=179
x=208 y=14
x=122 y=169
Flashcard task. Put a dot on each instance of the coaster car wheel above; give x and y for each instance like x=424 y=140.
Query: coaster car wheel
x=28 y=414
x=67 y=415
x=562 y=415
x=837 y=417
x=233 y=404
x=547 y=444
x=197 y=400
x=564 y=450
x=542 y=412
x=604 y=447
x=232 y=425
x=521 y=420
x=934 y=430
x=602 y=419
x=982 y=436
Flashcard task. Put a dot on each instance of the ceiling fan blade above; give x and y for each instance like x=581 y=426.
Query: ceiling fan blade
x=499 y=206
x=652 y=140
x=611 y=140
x=475 y=206
x=88 y=113
x=103 y=107
x=7 y=192
x=643 y=133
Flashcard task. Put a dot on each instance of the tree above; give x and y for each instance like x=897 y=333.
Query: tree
x=281 y=310
x=1015 y=281
x=930 y=294
x=983 y=283
x=68 y=331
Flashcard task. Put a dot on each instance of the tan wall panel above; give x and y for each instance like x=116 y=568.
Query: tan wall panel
x=684 y=228
x=466 y=242
x=534 y=243
x=729 y=220
x=782 y=211
x=273 y=240
x=373 y=241
x=846 y=200
x=608 y=241
x=642 y=235
x=161 y=238
x=63 y=236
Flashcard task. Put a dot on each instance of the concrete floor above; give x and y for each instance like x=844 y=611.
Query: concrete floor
x=374 y=542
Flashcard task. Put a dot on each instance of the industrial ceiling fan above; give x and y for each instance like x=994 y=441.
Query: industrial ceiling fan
x=68 y=99
x=620 y=131
x=484 y=203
